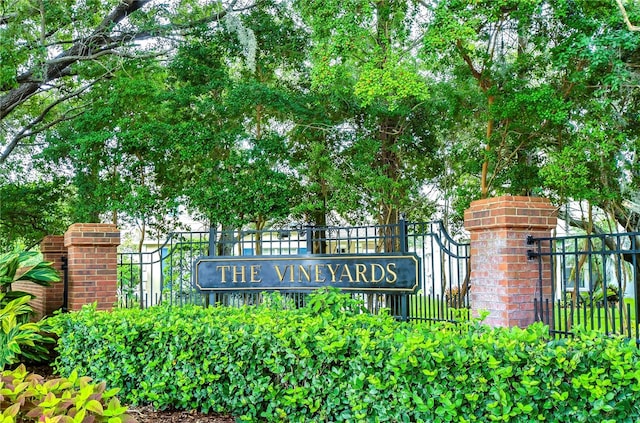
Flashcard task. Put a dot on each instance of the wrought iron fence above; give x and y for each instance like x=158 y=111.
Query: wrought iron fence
x=594 y=283
x=164 y=274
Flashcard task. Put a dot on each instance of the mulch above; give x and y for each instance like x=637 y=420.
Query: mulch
x=148 y=415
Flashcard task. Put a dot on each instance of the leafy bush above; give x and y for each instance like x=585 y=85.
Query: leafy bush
x=27 y=397
x=320 y=364
x=18 y=337
x=24 y=266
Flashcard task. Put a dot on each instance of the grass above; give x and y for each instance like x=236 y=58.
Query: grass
x=610 y=319
x=428 y=308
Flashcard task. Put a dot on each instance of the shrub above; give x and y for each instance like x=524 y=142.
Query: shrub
x=24 y=266
x=18 y=337
x=27 y=397
x=320 y=364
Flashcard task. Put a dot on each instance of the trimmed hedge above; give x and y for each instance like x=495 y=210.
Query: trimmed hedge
x=329 y=363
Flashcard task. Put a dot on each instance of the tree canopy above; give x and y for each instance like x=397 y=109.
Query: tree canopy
x=246 y=112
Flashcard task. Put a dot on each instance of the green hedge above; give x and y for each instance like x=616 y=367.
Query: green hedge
x=322 y=364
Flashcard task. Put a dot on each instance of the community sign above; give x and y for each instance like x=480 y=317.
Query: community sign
x=390 y=273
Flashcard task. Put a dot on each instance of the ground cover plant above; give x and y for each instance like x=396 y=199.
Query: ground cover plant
x=27 y=397
x=331 y=362
x=19 y=338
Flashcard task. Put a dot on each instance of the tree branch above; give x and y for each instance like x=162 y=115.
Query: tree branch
x=26 y=131
x=476 y=73
x=625 y=16
x=99 y=40
x=23 y=92
x=5 y=19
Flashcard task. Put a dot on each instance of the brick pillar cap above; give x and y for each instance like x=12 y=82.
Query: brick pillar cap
x=92 y=234
x=532 y=213
x=52 y=244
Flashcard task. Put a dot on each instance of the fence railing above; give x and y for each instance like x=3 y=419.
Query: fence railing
x=595 y=280
x=164 y=273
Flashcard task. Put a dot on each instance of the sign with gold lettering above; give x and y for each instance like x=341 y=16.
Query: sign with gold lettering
x=391 y=273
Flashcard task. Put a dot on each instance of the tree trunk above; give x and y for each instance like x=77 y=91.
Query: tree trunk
x=261 y=222
x=389 y=163
x=226 y=241
x=389 y=209
x=484 y=184
x=319 y=232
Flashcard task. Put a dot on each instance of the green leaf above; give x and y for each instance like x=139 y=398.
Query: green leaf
x=95 y=407
x=12 y=411
x=80 y=415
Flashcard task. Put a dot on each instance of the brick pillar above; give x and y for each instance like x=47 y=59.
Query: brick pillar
x=503 y=281
x=92 y=258
x=47 y=299
x=53 y=250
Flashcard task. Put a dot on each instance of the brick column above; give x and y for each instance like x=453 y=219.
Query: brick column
x=53 y=250
x=92 y=258
x=503 y=281
x=47 y=299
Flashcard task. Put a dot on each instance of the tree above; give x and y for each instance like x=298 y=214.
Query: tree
x=113 y=149
x=505 y=48
x=546 y=74
x=50 y=55
x=604 y=89
x=362 y=52
x=559 y=88
x=31 y=210
x=230 y=106
x=321 y=108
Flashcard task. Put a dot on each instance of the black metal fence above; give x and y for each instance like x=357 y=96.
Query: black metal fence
x=163 y=274
x=594 y=280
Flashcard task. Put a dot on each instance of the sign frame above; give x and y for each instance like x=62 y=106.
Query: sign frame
x=389 y=273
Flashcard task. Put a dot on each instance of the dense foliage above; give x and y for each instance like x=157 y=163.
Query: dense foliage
x=255 y=112
x=21 y=339
x=329 y=362
x=31 y=210
x=28 y=266
x=27 y=397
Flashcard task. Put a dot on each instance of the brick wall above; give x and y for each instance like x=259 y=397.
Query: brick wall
x=91 y=253
x=503 y=281
x=92 y=261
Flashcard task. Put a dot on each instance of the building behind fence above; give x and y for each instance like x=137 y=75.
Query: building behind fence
x=513 y=269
